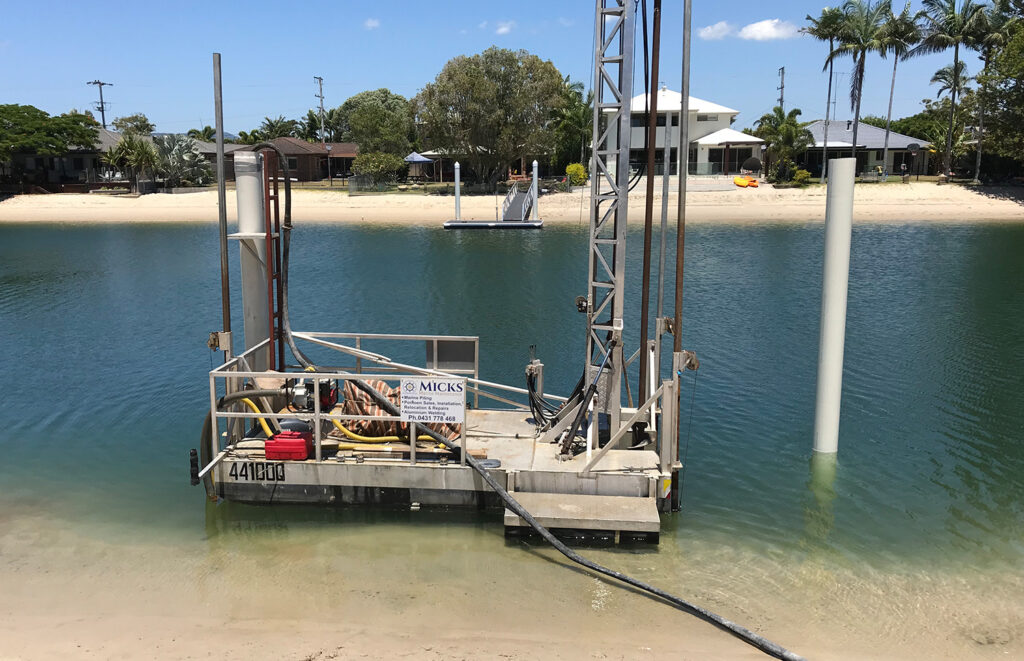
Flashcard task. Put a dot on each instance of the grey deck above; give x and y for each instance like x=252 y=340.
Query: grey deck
x=517 y=209
x=529 y=468
x=614 y=513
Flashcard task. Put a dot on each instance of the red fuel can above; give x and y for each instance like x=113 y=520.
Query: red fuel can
x=290 y=445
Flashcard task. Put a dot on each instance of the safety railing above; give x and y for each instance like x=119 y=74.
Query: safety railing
x=509 y=196
x=236 y=373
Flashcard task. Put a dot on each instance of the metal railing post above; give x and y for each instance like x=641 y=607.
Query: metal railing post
x=413 y=435
x=316 y=417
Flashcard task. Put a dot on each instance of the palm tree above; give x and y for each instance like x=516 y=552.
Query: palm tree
x=994 y=28
x=786 y=136
x=863 y=32
x=179 y=160
x=826 y=28
x=948 y=24
x=950 y=82
x=206 y=134
x=901 y=34
x=277 y=127
x=308 y=127
x=250 y=137
x=575 y=119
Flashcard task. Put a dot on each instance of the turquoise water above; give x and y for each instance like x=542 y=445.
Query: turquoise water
x=102 y=342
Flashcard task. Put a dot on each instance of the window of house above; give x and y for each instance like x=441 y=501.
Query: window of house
x=293 y=164
x=707 y=118
x=661 y=119
x=675 y=119
x=76 y=163
x=636 y=121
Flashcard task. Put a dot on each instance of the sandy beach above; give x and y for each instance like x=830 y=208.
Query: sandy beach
x=914 y=202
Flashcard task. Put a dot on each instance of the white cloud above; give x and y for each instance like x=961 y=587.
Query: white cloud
x=504 y=27
x=719 y=30
x=566 y=22
x=371 y=23
x=483 y=25
x=768 y=30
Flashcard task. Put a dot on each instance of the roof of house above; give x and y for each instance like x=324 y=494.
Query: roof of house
x=211 y=147
x=840 y=134
x=297 y=147
x=669 y=99
x=730 y=137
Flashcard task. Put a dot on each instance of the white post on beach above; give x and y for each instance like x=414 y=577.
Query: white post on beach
x=834 y=286
x=533 y=215
x=458 y=179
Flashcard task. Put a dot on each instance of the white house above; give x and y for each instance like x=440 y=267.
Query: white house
x=715 y=147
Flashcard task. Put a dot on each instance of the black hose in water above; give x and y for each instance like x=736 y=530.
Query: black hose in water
x=748 y=636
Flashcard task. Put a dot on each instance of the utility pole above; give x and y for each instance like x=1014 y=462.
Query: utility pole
x=101 y=106
x=323 y=138
x=782 y=88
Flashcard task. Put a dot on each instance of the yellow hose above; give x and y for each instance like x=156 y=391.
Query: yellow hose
x=372 y=439
x=256 y=409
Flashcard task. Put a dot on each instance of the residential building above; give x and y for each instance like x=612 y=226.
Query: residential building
x=715 y=147
x=870 y=148
x=307 y=161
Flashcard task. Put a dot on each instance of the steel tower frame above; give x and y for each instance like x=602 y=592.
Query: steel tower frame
x=609 y=199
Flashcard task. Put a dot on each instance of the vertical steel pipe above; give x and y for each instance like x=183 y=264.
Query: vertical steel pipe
x=684 y=168
x=458 y=181
x=222 y=207
x=652 y=139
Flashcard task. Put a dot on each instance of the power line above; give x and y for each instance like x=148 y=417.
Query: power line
x=101 y=106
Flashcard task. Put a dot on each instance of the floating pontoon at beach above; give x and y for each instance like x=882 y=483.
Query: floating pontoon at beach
x=359 y=427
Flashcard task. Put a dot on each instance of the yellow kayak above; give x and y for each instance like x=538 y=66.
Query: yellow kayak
x=742 y=182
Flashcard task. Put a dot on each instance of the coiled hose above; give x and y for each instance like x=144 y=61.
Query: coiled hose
x=748 y=636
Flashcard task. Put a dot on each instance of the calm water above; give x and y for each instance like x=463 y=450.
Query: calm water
x=102 y=342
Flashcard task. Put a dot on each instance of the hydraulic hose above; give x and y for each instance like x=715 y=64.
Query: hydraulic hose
x=761 y=643
x=205 y=450
x=255 y=409
x=372 y=439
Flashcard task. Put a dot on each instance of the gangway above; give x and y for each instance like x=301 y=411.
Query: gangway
x=518 y=210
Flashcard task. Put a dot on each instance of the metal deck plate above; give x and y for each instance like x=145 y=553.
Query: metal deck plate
x=616 y=513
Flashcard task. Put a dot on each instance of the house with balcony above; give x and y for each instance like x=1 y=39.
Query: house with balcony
x=715 y=147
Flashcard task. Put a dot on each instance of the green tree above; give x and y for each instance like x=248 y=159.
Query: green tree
x=206 y=134
x=30 y=131
x=137 y=123
x=902 y=33
x=308 y=128
x=179 y=161
x=862 y=32
x=573 y=122
x=134 y=153
x=993 y=31
x=277 y=127
x=826 y=27
x=380 y=167
x=787 y=138
x=252 y=137
x=948 y=24
x=951 y=83
x=378 y=121
x=491 y=109
x=1004 y=96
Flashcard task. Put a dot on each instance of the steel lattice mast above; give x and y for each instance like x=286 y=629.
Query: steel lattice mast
x=609 y=193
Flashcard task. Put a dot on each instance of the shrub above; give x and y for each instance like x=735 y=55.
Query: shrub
x=378 y=166
x=576 y=173
x=801 y=177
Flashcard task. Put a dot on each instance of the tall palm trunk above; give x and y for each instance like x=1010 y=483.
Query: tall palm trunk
x=856 y=114
x=888 y=118
x=828 y=109
x=948 y=165
x=981 y=124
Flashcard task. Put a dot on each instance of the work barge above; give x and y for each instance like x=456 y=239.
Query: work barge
x=367 y=429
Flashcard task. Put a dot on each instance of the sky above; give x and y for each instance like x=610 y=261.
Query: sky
x=159 y=56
